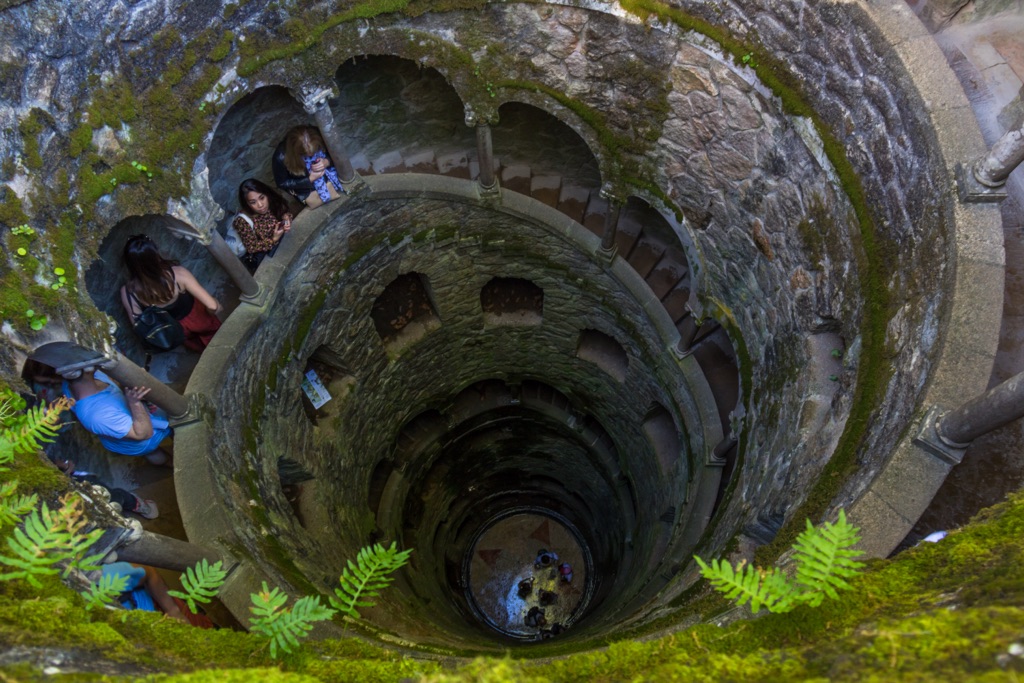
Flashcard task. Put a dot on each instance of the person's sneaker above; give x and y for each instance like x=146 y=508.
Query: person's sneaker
x=147 y=509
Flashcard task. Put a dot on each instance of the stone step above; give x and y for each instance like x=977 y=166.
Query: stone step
x=516 y=178
x=454 y=165
x=675 y=301
x=666 y=275
x=627 y=232
x=391 y=162
x=572 y=201
x=597 y=211
x=645 y=255
x=421 y=162
x=362 y=164
x=546 y=188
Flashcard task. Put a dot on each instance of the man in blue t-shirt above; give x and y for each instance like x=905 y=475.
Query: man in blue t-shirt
x=120 y=420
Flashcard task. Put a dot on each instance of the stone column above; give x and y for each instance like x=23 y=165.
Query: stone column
x=995 y=408
x=166 y=552
x=199 y=213
x=1006 y=154
x=314 y=100
x=983 y=180
x=947 y=435
x=128 y=374
x=611 y=219
x=485 y=153
x=684 y=346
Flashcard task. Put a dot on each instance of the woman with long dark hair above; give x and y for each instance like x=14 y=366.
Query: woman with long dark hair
x=156 y=281
x=263 y=220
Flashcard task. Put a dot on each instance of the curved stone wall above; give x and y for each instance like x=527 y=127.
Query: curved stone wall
x=640 y=512
x=899 y=280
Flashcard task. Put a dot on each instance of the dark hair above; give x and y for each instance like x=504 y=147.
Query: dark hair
x=278 y=207
x=152 y=280
x=301 y=141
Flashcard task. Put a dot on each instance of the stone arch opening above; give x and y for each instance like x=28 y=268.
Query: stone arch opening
x=661 y=431
x=105 y=275
x=244 y=141
x=404 y=312
x=512 y=301
x=544 y=158
x=603 y=351
x=397 y=115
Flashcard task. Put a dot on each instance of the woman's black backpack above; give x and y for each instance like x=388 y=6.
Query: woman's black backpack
x=157 y=328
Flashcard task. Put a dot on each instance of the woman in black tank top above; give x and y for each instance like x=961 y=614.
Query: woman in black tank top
x=156 y=281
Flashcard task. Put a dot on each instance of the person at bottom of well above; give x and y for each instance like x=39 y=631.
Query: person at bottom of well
x=156 y=281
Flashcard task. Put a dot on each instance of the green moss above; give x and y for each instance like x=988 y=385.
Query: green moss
x=30 y=127
x=11 y=212
x=364 y=10
x=223 y=47
x=229 y=10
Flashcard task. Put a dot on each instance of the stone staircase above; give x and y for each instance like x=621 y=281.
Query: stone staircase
x=639 y=240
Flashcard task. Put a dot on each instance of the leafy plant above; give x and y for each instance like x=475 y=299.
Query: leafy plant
x=27 y=434
x=105 y=591
x=201 y=583
x=366 y=577
x=48 y=538
x=12 y=506
x=285 y=626
x=824 y=560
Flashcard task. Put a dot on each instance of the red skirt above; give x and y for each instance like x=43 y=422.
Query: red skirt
x=200 y=326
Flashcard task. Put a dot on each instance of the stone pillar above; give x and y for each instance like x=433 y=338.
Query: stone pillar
x=947 y=435
x=983 y=180
x=166 y=552
x=995 y=408
x=1006 y=154
x=485 y=153
x=200 y=213
x=128 y=374
x=611 y=220
x=484 y=148
x=718 y=455
x=314 y=100
x=684 y=346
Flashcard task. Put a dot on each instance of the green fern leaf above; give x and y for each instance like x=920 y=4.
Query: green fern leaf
x=39 y=426
x=366 y=577
x=105 y=591
x=12 y=507
x=760 y=588
x=48 y=538
x=285 y=627
x=201 y=583
x=824 y=559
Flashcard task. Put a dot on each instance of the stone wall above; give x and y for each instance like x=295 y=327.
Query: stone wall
x=333 y=297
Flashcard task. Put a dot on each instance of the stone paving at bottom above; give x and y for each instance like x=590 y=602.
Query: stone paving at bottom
x=505 y=555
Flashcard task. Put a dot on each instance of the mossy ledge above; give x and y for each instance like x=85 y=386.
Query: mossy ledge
x=939 y=612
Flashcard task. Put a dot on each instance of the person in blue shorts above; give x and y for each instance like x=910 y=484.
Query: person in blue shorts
x=120 y=419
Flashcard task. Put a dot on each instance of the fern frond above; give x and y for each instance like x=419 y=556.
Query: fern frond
x=201 y=583
x=366 y=577
x=761 y=588
x=105 y=591
x=39 y=426
x=47 y=539
x=285 y=627
x=824 y=559
x=10 y=405
x=12 y=507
